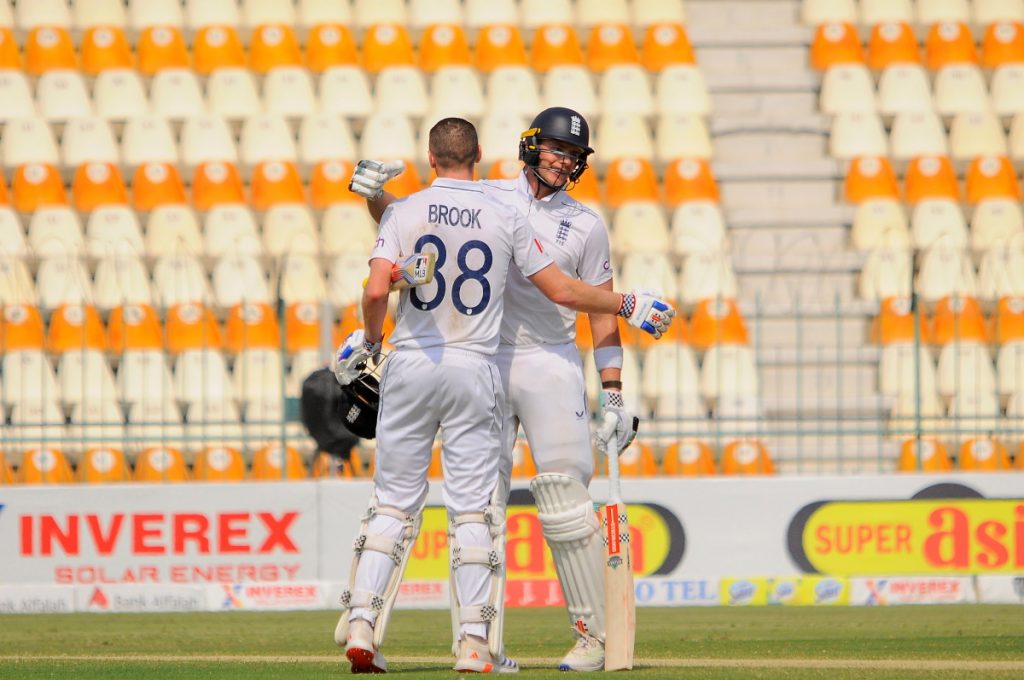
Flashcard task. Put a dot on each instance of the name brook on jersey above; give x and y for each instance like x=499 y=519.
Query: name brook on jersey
x=453 y=216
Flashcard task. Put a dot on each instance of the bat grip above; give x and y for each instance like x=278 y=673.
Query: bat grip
x=611 y=452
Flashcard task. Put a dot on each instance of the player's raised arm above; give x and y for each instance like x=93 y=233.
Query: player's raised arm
x=368 y=180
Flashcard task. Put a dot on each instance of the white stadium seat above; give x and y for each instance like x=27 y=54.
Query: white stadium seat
x=288 y=92
x=904 y=88
x=237 y=279
x=232 y=93
x=121 y=280
x=175 y=93
x=345 y=90
x=147 y=139
x=119 y=95
x=325 y=136
x=513 y=90
x=846 y=88
x=29 y=140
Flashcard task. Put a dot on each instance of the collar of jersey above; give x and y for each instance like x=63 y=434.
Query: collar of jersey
x=449 y=183
x=524 y=187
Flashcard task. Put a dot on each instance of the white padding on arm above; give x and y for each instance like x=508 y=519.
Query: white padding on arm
x=608 y=357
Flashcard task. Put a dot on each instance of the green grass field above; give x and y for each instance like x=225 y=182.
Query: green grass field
x=693 y=643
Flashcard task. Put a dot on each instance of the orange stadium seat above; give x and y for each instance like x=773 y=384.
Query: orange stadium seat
x=958 y=318
x=6 y=476
x=436 y=469
x=10 y=57
x=44 y=466
x=272 y=463
x=104 y=48
x=610 y=45
x=21 y=327
x=160 y=464
x=361 y=467
x=37 y=185
x=219 y=464
x=273 y=46
x=895 y=323
x=746 y=457
x=717 y=322
x=443 y=45
x=585 y=190
x=499 y=45
x=1009 y=320
x=930 y=177
x=407 y=183
x=949 y=43
x=217 y=47
x=386 y=45
x=329 y=184
x=134 y=327
x=584 y=337
x=991 y=177
x=216 y=183
x=666 y=44
x=157 y=184
x=934 y=456
x=892 y=43
x=691 y=458
x=103 y=465
x=690 y=179
x=983 y=454
x=252 y=326
x=330 y=45
x=350 y=320
x=192 y=326
x=302 y=326
x=49 y=48
x=1003 y=44
x=630 y=179
x=523 y=466
x=161 y=47
x=835 y=43
x=5 y=198
x=326 y=466
x=555 y=45
x=96 y=185
x=870 y=177
x=638 y=461
x=510 y=169
x=76 y=327
x=275 y=182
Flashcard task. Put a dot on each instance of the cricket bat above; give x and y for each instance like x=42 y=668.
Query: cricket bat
x=415 y=270
x=619 y=597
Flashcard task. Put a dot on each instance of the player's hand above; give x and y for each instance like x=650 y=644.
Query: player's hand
x=351 y=357
x=619 y=425
x=646 y=311
x=369 y=177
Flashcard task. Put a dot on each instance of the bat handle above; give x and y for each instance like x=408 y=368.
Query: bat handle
x=611 y=452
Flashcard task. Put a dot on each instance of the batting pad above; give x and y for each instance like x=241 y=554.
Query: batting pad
x=573 y=532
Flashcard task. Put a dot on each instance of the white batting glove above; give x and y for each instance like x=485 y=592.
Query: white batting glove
x=351 y=357
x=369 y=177
x=621 y=430
x=647 y=312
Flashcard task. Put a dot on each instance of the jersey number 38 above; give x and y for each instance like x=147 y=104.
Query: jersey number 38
x=465 y=275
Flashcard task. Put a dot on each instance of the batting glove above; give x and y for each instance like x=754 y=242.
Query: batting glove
x=621 y=431
x=369 y=177
x=351 y=357
x=647 y=312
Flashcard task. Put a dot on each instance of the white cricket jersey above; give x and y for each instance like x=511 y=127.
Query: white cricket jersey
x=576 y=239
x=479 y=243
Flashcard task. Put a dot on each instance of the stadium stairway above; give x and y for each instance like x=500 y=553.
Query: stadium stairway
x=790 y=234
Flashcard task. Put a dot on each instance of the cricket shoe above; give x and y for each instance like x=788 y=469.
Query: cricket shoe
x=359 y=649
x=587 y=656
x=475 y=657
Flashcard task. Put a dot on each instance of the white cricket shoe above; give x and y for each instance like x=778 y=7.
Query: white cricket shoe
x=475 y=657
x=587 y=656
x=360 y=651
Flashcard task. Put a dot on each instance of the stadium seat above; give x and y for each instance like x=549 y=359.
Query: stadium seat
x=231 y=230
x=61 y=96
x=402 y=90
x=624 y=89
x=965 y=367
x=904 y=88
x=328 y=185
x=895 y=324
x=480 y=14
x=148 y=139
x=325 y=137
x=1003 y=44
x=888 y=270
x=991 y=177
x=938 y=219
x=833 y=44
x=155 y=421
x=258 y=12
x=96 y=421
x=690 y=180
x=716 y=321
x=499 y=132
x=172 y=229
x=232 y=94
x=161 y=464
x=688 y=458
x=870 y=178
x=55 y=231
x=443 y=45
x=288 y=229
x=570 y=84
x=104 y=48
x=345 y=90
x=976 y=134
x=14 y=88
x=275 y=182
x=935 y=11
x=879 y=221
x=274 y=463
x=945 y=270
x=1017 y=138
x=49 y=48
x=995 y=221
x=217 y=47
x=1010 y=365
x=386 y=45
x=301 y=279
x=113 y=231
x=163 y=47
x=457 y=89
x=328 y=45
x=347 y=228
x=201 y=377
x=216 y=183
x=22 y=329
x=857 y=133
x=974 y=413
x=273 y=46
x=930 y=177
x=846 y=88
x=917 y=133
x=288 y=92
x=610 y=44
x=960 y=88
x=134 y=327
x=983 y=454
x=990 y=11
x=143 y=375
x=345 y=279
x=555 y=44
x=388 y=136
x=369 y=12
x=259 y=375
x=650 y=270
x=499 y=46
x=630 y=180
x=677 y=135
x=904 y=371
x=12 y=238
x=62 y=280
x=157 y=184
x=707 y=275
x=949 y=43
x=266 y=137
x=814 y=12
x=958 y=319
x=29 y=141
x=933 y=456
x=680 y=88
x=121 y=280
x=239 y=278
x=302 y=325
x=206 y=139
x=728 y=369
x=670 y=371
x=103 y=465
x=27 y=375
x=45 y=465
x=191 y=326
x=639 y=227
x=1007 y=92
x=218 y=464
x=75 y=328
x=96 y=185
x=746 y=457
x=200 y=13
x=251 y=326
x=1009 y=320
x=697 y=227
x=665 y=45
x=144 y=13
x=1002 y=270
x=29 y=15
